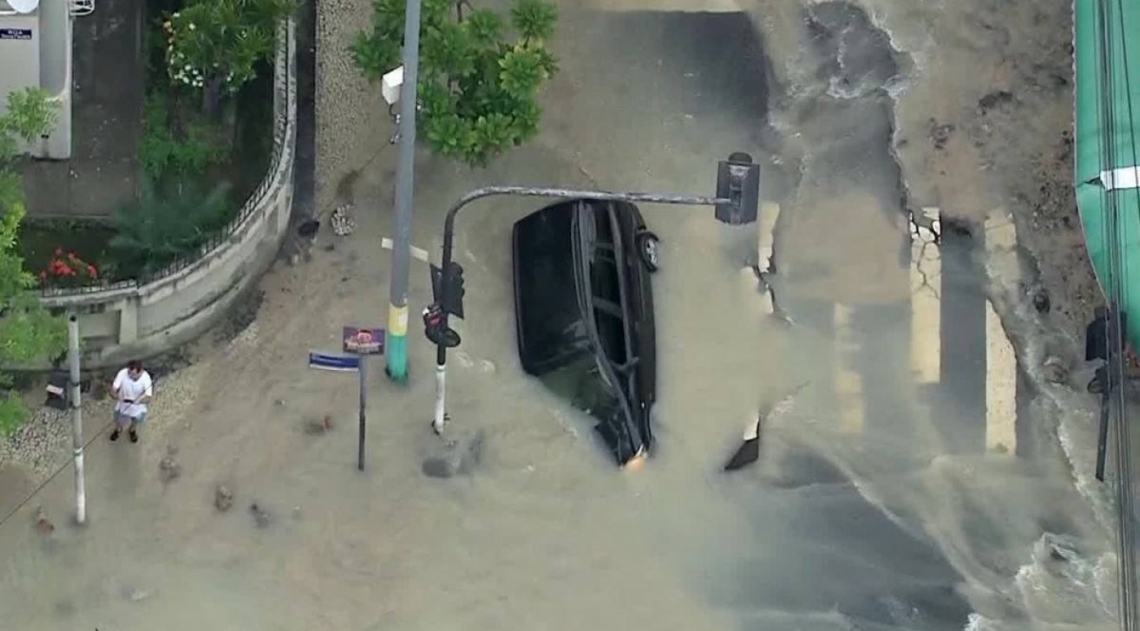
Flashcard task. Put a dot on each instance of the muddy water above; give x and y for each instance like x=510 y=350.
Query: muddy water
x=915 y=482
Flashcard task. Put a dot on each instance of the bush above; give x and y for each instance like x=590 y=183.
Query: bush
x=478 y=90
x=163 y=156
x=168 y=222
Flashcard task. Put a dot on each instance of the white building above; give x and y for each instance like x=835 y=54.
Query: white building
x=35 y=51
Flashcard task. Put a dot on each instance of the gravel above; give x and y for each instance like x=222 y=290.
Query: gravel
x=353 y=123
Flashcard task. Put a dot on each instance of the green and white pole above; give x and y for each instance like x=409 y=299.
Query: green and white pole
x=397 y=337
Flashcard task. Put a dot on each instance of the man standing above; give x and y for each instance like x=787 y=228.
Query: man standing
x=132 y=390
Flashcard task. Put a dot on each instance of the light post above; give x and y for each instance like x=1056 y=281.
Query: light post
x=737 y=202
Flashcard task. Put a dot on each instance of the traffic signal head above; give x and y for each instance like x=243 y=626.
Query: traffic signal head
x=447 y=289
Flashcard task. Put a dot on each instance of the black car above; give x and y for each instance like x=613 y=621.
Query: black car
x=584 y=313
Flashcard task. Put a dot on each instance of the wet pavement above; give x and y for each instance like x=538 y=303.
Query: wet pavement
x=914 y=483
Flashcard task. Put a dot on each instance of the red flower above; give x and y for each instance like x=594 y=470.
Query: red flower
x=43 y=275
x=59 y=251
x=91 y=271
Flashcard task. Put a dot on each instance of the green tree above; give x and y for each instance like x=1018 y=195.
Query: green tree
x=212 y=46
x=478 y=86
x=28 y=332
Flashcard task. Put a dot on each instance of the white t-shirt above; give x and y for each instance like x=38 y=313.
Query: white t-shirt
x=133 y=389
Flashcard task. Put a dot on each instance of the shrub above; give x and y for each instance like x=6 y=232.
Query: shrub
x=168 y=222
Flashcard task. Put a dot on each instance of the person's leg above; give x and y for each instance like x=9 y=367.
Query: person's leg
x=120 y=421
x=135 y=423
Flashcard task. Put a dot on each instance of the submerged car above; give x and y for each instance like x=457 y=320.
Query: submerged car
x=584 y=314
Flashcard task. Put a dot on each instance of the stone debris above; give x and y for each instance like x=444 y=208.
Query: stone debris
x=317 y=427
x=1054 y=370
x=342 y=222
x=261 y=517
x=455 y=461
x=169 y=469
x=43 y=525
x=223 y=498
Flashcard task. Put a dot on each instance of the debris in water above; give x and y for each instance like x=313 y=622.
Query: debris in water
x=749 y=451
x=1054 y=370
x=43 y=525
x=342 y=222
x=766 y=286
x=261 y=517
x=456 y=461
x=317 y=427
x=223 y=498
x=168 y=467
x=940 y=133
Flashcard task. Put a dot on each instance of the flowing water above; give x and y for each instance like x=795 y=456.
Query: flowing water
x=920 y=477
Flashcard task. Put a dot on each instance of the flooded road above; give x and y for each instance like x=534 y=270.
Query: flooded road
x=916 y=482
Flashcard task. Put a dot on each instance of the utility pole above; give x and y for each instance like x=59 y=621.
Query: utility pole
x=397 y=339
x=76 y=419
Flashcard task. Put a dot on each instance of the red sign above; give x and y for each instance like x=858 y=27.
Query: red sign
x=363 y=341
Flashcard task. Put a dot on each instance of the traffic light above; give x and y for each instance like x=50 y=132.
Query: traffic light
x=436 y=329
x=738 y=180
x=447 y=289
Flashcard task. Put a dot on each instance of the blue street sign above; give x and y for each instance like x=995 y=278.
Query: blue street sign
x=334 y=361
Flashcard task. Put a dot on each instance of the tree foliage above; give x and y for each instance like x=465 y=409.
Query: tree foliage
x=478 y=85
x=212 y=46
x=28 y=332
x=167 y=222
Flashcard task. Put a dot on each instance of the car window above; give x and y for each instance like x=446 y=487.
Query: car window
x=583 y=385
x=550 y=317
x=605 y=285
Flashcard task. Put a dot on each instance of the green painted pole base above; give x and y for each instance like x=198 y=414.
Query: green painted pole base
x=396 y=351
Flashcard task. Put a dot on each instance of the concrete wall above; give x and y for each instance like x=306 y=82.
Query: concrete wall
x=140 y=320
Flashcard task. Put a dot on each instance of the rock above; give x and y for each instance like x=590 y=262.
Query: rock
x=1041 y=300
x=261 y=517
x=169 y=469
x=1054 y=370
x=223 y=498
x=43 y=525
x=316 y=427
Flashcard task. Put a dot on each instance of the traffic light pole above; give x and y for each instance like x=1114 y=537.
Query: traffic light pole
x=440 y=417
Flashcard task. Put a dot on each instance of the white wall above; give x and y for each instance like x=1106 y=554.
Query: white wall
x=43 y=61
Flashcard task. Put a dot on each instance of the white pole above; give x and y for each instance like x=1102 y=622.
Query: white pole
x=77 y=419
x=440 y=417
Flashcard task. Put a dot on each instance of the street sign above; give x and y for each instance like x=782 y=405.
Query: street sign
x=15 y=33
x=361 y=341
x=333 y=361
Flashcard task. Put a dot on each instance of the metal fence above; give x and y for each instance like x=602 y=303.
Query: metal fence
x=282 y=85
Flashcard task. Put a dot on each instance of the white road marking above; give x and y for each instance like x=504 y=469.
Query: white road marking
x=417 y=253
